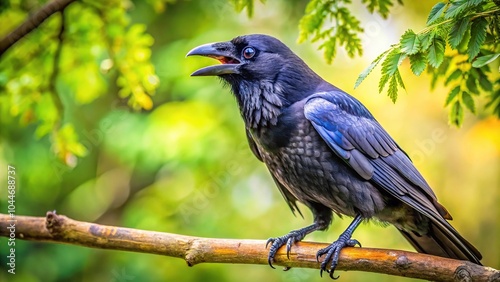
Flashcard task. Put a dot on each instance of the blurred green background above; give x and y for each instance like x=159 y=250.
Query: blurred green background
x=184 y=166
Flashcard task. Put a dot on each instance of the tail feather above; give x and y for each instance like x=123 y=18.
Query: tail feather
x=443 y=241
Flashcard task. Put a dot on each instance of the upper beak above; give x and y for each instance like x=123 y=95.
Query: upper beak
x=221 y=51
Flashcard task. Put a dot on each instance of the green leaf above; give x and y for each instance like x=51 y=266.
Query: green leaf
x=457 y=32
x=454 y=75
x=477 y=36
x=410 y=43
x=484 y=60
x=369 y=69
x=463 y=46
x=382 y=6
x=390 y=67
x=330 y=49
x=383 y=81
x=494 y=100
x=440 y=71
x=239 y=5
x=426 y=40
x=436 y=12
x=436 y=52
x=473 y=3
x=485 y=83
x=451 y=96
x=418 y=63
x=456 y=114
x=456 y=8
x=392 y=61
x=346 y=32
x=392 y=92
x=472 y=85
x=312 y=20
x=400 y=80
x=468 y=102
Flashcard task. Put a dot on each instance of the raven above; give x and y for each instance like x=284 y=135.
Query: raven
x=324 y=149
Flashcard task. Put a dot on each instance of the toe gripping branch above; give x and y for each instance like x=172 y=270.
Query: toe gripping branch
x=333 y=251
x=288 y=240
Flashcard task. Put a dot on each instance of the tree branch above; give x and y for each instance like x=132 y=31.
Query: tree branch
x=194 y=250
x=33 y=21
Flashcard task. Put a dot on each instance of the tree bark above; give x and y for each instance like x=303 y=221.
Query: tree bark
x=56 y=228
x=33 y=21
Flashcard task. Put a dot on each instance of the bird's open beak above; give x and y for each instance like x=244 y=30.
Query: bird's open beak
x=219 y=51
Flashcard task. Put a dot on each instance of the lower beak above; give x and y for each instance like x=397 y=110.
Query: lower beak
x=221 y=51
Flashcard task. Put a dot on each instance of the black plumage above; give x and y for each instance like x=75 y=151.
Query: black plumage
x=324 y=149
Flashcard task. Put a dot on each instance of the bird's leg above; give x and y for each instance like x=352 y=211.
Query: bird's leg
x=333 y=251
x=322 y=218
x=288 y=239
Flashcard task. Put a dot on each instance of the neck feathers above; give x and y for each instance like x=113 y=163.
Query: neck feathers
x=260 y=103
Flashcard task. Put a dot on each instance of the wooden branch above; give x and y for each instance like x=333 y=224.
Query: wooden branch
x=33 y=21
x=194 y=250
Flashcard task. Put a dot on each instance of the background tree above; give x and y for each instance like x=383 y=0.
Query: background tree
x=103 y=123
x=471 y=30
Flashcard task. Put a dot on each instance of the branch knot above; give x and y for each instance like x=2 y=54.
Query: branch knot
x=403 y=262
x=54 y=223
x=462 y=274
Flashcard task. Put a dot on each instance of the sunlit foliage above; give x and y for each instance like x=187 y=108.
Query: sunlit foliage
x=113 y=130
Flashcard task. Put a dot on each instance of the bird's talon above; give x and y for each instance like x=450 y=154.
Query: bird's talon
x=269 y=241
x=334 y=278
x=352 y=243
x=289 y=243
x=269 y=261
x=294 y=236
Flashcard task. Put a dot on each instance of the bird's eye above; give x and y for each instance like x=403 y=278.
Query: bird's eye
x=248 y=52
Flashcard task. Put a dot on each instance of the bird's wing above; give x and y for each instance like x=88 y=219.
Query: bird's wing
x=356 y=137
x=253 y=145
x=289 y=198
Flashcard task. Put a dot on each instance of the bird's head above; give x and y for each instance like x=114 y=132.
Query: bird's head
x=264 y=74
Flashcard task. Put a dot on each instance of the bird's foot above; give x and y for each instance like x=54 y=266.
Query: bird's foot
x=333 y=251
x=288 y=240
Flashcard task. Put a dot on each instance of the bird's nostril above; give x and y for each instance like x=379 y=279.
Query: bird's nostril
x=222 y=48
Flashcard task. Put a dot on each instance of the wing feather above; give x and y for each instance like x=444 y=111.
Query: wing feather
x=356 y=137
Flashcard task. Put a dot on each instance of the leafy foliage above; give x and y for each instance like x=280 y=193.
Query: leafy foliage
x=315 y=25
x=418 y=63
x=391 y=73
x=468 y=30
x=184 y=166
x=239 y=5
x=91 y=40
x=410 y=43
x=471 y=30
x=332 y=23
x=95 y=41
x=380 y=6
x=436 y=12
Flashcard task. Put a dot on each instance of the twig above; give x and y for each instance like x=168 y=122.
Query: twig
x=32 y=22
x=194 y=250
x=55 y=69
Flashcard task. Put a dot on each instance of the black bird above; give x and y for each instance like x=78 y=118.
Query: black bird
x=324 y=149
